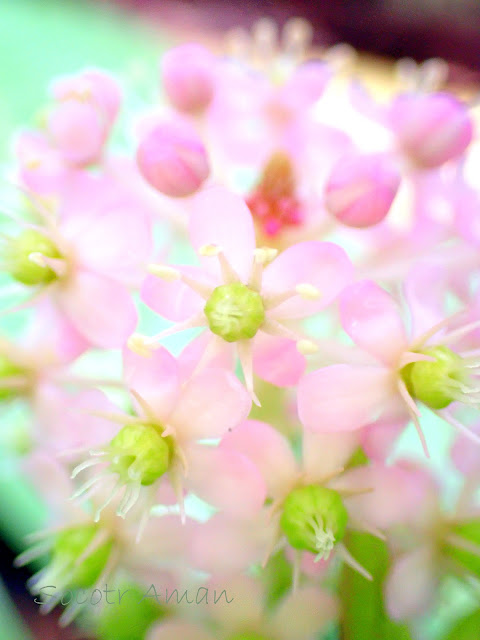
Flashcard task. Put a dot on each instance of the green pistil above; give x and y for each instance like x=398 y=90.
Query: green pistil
x=314 y=519
x=17 y=257
x=70 y=545
x=235 y=312
x=8 y=369
x=139 y=452
x=435 y=383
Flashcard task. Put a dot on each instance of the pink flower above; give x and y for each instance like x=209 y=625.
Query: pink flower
x=173 y=414
x=86 y=554
x=431 y=128
x=188 y=75
x=400 y=371
x=244 y=303
x=299 y=615
x=173 y=160
x=325 y=456
x=80 y=121
x=86 y=260
x=361 y=189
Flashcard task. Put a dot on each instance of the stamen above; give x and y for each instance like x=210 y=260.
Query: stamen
x=86 y=464
x=458 y=425
x=413 y=412
x=350 y=560
x=306 y=347
x=307 y=291
x=58 y=265
x=169 y=274
x=245 y=354
x=297 y=36
x=140 y=345
x=209 y=250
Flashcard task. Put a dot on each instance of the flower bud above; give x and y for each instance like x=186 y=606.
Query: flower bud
x=361 y=189
x=431 y=128
x=172 y=158
x=77 y=131
x=91 y=86
x=140 y=452
x=17 y=257
x=69 y=546
x=235 y=312
x=435 y=383
x=314 y=519
x=188 y=77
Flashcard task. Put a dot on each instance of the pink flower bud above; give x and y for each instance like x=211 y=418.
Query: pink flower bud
x=91 y=86
x=188 y=77
x=172 y=158
x=77 y=131
x=361 y=189
x=431 y=128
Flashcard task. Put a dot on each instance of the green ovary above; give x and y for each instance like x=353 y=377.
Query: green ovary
x=140 y=452
x=435 y=383
x=8 y=369
x=70 y=544
x=314 y=519
x=234 y=312
x=17 y=257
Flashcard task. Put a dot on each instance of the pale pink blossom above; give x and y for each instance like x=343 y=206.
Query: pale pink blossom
x=268 y=300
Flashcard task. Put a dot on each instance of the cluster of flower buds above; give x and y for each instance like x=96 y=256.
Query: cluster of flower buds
x=320 y=250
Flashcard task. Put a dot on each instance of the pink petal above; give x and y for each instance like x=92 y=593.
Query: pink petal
x=411 y=585
x=210 y=404
x=343 y=397
x=50 y=333
x=174 y=300
x=247 y=604
x=371 y=318
x=67 y=420
x=324 y=453
x=303 y=613
x=176 y=629
x=268 y=450
x=116 y=244
x=378 y=438
x=226 y=479
x=277 y=360
x=155 y=379
x=465 y=456
x=222 y=218
x=321 y=264
x=100 y=309
x=77 y=131
x=386 y=506
x=225 y=546
x=221 y=355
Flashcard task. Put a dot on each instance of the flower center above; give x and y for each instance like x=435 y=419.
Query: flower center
x=72 y=562
x=234 y=312
x=140 y=454
x=314 y=519
x=18 y=257
x=439 y=382
x=273 y=203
